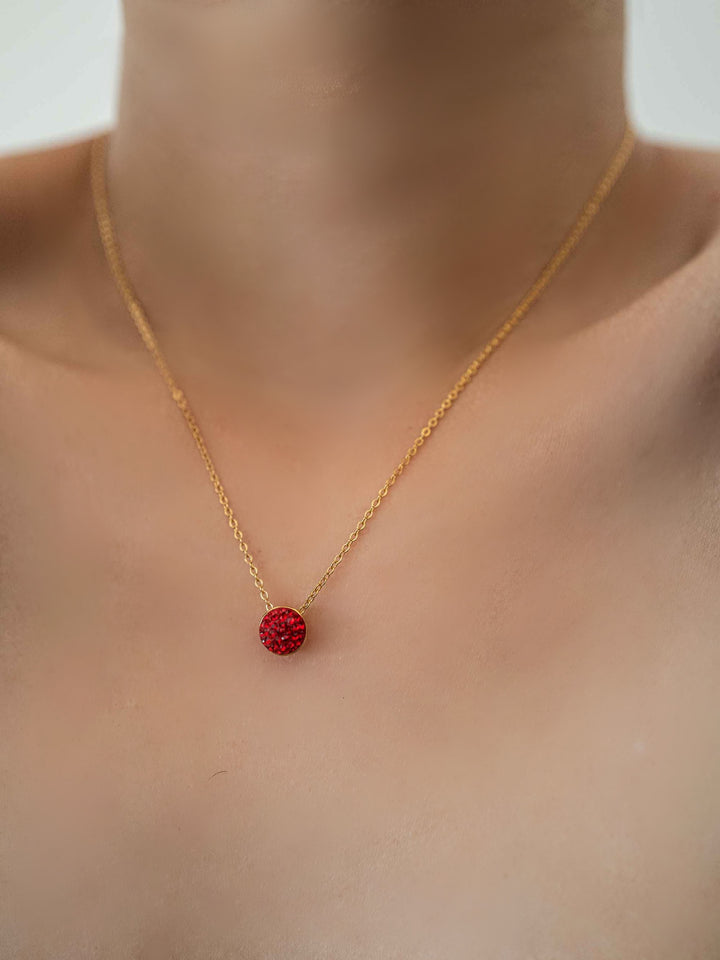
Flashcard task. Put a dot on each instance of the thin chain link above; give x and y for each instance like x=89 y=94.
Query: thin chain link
x=110 y=245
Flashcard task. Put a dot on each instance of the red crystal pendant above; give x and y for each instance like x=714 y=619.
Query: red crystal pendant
x=282 y=630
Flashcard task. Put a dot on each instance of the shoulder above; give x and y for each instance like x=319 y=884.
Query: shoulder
x=43 y=215
x=51 y=291
x=53 y=362
x=693 y=175
x=56 y=308
x=676 y=323
x=677 y=198
x=674 y=190
x=39 y=190
x=683 y=184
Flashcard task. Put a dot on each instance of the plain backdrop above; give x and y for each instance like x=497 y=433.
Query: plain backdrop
x=59 y=69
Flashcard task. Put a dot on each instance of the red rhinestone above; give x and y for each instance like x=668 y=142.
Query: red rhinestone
x=282 y=630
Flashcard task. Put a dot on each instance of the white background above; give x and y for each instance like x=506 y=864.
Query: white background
x=59 y=69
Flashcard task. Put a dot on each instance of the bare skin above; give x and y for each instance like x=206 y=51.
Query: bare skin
x=501 y=739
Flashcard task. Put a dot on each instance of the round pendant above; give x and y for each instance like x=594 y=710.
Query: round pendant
x=282 y=630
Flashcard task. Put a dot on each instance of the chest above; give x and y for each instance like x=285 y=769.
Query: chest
x=500 y=738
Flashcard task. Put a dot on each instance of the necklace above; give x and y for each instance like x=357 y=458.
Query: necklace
x=283 y=629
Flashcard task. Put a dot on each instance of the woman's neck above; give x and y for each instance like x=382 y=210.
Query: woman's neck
x=328 y=172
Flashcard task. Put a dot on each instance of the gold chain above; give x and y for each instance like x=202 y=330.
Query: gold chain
x=107 y=234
